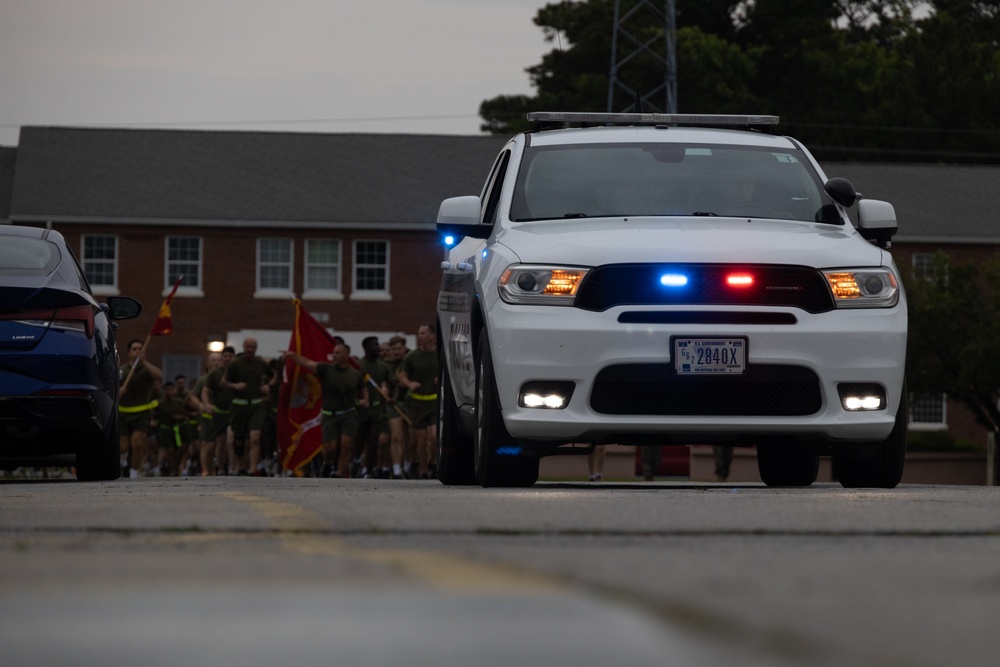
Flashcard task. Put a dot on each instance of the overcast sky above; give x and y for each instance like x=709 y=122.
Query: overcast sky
x=412 y=66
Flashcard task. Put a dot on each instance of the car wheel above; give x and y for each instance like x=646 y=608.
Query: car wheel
x=882 y=471
x=455 y=457
x=99 y=461
x=498 y=458
x=786 y=465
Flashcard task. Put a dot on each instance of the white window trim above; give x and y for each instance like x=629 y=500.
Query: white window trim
x=275 y=292
x=370 y=295
x=186 y=288
x=323 y=294
x=101 y=290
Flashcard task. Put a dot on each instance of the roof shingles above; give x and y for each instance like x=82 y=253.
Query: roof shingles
x=205 y=176
x=246 y=176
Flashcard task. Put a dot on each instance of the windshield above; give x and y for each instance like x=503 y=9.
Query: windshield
x=659 y=179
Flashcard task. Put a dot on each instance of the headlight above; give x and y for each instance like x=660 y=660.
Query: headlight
x=549 y=285
x=863 y=288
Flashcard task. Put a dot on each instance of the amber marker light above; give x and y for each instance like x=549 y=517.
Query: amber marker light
x=844 y=285
x=563 y=283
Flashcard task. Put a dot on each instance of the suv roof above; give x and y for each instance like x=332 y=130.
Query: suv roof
x=553 y=128
x=663 y=119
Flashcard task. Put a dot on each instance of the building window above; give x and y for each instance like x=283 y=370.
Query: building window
x=926 y=265
x=371 y=269
x=188 y=365
x=928 y=411
x=100 y=262
x=274 y=266
x=322 y=276
x=183 y=259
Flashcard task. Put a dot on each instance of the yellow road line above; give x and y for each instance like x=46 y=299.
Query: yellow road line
x=306 y=532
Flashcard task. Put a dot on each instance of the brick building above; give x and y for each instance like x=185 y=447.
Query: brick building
x=346 y=222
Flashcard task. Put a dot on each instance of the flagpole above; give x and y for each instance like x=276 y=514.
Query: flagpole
x=379 y=389
x=149 y=337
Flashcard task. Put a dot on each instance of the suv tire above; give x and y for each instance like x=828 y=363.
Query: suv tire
x=782 y=464
x=882 y=471
x=498 y=460
x=456 y=466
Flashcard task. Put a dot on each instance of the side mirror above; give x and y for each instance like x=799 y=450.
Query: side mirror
x=841 y=191
x=123 y=307
x=459 y=216
x=877 y=221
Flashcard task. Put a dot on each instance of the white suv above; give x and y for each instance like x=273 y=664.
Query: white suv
x=652 y=279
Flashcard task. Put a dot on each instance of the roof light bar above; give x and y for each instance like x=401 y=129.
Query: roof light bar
x=650 y=118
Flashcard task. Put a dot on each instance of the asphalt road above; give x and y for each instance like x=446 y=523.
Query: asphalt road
x=245 y=571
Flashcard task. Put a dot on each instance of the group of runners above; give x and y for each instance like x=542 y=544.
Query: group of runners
x=379 y=412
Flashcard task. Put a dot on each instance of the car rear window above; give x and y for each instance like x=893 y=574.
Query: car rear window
x=27 y=256
x=663 y=179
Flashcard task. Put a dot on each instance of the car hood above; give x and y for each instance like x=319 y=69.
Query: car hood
x=598 y=241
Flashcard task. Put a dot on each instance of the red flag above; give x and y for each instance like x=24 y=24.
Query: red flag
x=300 y=402
x=164 y=324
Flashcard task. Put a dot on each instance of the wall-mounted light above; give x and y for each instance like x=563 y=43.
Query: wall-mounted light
x=216 y=343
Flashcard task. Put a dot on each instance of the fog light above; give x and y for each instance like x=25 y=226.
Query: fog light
x=553 y=401
x=545 y=395
x=862 y=397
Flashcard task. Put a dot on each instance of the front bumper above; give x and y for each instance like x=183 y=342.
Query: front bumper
x=48 y=425
x=541 y=343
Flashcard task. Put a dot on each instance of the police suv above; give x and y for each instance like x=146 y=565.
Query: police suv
x=652 y=279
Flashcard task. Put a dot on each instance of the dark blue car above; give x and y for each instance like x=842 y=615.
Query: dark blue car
x=58 y=359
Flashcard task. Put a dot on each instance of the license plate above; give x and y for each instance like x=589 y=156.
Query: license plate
x=709 y=356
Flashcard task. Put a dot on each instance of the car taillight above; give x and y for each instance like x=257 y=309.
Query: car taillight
x=75 y=318
x=35 y=318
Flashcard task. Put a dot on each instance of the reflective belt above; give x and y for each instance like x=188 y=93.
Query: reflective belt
x=130 y=409
x=206 y=415
x=423 y=397
x=176 y=428
x=327 y=413
x=220 y=412
x=243 y=401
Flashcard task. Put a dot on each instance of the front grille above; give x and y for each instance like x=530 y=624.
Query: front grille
x=655 y=389
x=706 y=317
x=639 y=284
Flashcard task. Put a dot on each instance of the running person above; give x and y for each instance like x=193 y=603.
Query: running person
x=248 y=376
x=135 y=407
x=373 y=424
x=397 y=428
x=219 y=401
x=343 y=389
x=206 y=439
x=419 y=375
x=171 y=419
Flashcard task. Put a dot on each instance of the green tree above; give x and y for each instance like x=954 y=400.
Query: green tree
x=954 y=326
x=717 y=75
x=954 y=61
x=853 y=79
x=574 y=77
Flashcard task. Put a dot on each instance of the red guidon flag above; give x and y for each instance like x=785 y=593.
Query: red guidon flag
x=300 y=402
x=164 y=324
